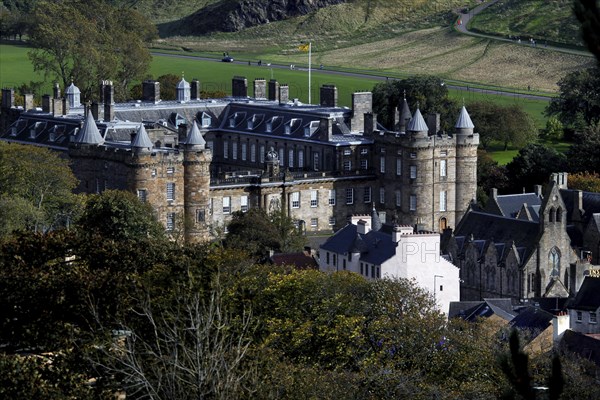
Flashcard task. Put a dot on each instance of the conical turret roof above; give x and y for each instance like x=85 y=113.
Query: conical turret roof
x=89 y=133
x=142 y=140
x=375 y=221
x=417 y=123
x=194 y=137
x=464 y=120
x=405 y=112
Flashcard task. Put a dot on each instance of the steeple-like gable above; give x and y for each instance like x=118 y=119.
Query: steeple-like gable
x=89 y=133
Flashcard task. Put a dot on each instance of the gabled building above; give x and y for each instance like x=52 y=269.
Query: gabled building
x=197 y=161
x=585 y=308
x=376 y=251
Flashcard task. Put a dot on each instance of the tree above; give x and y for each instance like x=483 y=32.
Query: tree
x=35 y=189
x=168 y=86
x=505 y=124
x=257 y=233
x=584 y=154
x=585 y=181
x=578 y=102
x=588 y=14
x=119 y=215
x=533 y=166
x=490 y=175
x=554 y=129
x=90 y=40
x=428 y=93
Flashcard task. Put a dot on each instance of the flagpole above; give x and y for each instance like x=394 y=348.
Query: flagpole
x=309 y=64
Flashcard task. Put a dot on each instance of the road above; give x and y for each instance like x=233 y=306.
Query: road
x=356 y=74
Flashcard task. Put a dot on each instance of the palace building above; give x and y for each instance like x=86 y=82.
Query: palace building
x=197 y=161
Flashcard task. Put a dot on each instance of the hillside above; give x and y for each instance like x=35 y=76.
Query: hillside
x=551 y=21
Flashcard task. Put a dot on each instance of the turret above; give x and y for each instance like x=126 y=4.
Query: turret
x=417 y=126
x=404 y=117
x=89 y=133
x=73 y=95
x=466 y=162
x=196 y=176
x=141 y=142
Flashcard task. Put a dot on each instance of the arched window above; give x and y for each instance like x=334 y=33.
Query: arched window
x=552 y=215
x=443 y=224
x=554 y=262
x=559 y=214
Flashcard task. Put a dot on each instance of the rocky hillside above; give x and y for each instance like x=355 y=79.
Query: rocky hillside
x=233 y=16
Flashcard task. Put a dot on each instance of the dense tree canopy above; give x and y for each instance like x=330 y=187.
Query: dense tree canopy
x=588 y=13
x=35 y=189
x=505 y=124
x=428 y=93
x=578 y=103
x=533 y=166
x=584 y=154
x=88 y=41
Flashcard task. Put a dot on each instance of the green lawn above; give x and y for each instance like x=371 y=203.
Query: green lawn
x=15 y=67
x=503 y=157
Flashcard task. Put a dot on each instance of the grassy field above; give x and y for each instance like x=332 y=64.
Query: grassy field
x=551 y=21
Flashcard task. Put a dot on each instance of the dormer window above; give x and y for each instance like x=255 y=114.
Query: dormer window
x=269 y=126
x=288 y=129
x=206 y=120
x=250 y=124
x=13 y=131
x=232 y=122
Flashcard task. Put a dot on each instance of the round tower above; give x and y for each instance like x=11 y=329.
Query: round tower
x=466 y=162
x=196 y=181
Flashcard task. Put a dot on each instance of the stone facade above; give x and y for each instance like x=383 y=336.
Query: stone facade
x=319 y=164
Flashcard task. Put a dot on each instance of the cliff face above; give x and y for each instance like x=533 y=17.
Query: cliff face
x=235 y=15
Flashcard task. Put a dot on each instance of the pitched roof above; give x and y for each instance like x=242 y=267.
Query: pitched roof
x=300 y=260
x=89 y=133
x=534 y=319
x=510 y=204
x=142 y=140
x=194 y=137
x=472 y=310
x=464 y=120
x=588 y=296
x=586 y=346
x=374 y=247
x=417 y=123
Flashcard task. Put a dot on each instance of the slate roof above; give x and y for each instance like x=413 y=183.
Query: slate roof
x=405 y=114
x=586 y=346
x=142 y=140
x=533 y=319
x=417 y=123
x=375 y=247
x=591 y=203
x=588 y=296
x=487 y=227
x=89 y=133
x=472 y=310
x=510 y=204
x=464 y=120
x=194 y=137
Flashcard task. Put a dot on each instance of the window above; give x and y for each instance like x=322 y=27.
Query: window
x=382 y=195
x=331 y=220
x=367 y=194
x=362 y=269
x=364 y=151
x=314 y=223
x=244 y=203
x=413 y=202
x=382 y=164
x=253 y=152
x=244 y=151
x=398 y=166
x=349 y=195
x=554 y=262
x=347 y=152
x=170 y=191
x=300 y=158
x=296 y=200
x=281 y=154
x=372 y=271
x=226 y=205
x=413 y=172
x=225 y=149
x=579 y=316
x=413 y=155
x=206 y=120
x=291 y=158
x=347 y=165
x=593 y=317
x=443 y=168
x=327 y=258
x=364 y=164
x=443 y=196
x=269 y=127
x=170 y=221
x=314 y=198
x=142 y=194
x=332 y=197
x=170 y=170
x=316 y=161
x=444 y=153
x=200 y=215
x=153 y=173
x=398 y=198
x=262 y=153
x=231 y=122
x=210 y=145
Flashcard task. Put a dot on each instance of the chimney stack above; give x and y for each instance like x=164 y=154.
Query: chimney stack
x=273 y=90
x=239 y=86
x=260 y=88
x=195 y=89
x=328 y=96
